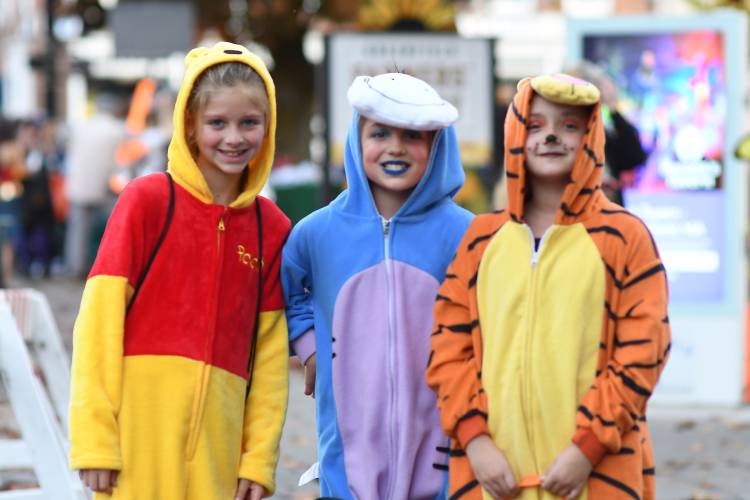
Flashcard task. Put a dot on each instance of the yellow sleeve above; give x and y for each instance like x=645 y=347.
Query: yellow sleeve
x=265 y=409
x=96 y=374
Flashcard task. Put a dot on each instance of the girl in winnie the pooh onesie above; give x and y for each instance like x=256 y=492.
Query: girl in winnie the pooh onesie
x=162 y=362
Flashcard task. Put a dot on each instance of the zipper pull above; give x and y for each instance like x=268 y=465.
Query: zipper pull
x=386 y=227
x=221 y=224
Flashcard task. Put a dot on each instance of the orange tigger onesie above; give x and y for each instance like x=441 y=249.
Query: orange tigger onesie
x=567 y=343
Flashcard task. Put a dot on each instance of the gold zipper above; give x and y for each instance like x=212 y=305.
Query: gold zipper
x=196 y=417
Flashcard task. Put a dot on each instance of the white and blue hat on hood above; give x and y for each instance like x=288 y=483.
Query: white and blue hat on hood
x=401 y=100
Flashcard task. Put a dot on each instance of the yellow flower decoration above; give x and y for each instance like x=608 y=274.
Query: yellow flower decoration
x=380 y=15
x=720 y=4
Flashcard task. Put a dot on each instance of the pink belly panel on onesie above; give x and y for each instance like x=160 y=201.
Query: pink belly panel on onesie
x=386 y=414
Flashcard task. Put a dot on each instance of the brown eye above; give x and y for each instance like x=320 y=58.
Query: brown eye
x=378 y=132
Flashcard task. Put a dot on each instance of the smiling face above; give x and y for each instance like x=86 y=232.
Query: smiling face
x=394 y=159
x=554 y=136
x=228 y=130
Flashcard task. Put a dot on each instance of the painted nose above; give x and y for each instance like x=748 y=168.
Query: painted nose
x=551 y=139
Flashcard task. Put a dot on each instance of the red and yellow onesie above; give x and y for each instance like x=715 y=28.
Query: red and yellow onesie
x=159 y=393
x=538 y=348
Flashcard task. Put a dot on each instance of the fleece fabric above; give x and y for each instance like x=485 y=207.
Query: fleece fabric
x=159 y=393
x=364 y=288
x=541 y=348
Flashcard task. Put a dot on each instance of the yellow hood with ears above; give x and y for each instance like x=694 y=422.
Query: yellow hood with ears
x=182 y=165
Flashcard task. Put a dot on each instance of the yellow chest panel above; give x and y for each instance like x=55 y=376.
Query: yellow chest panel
x=541 y=318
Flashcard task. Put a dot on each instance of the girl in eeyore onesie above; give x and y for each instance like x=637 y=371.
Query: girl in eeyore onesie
x=360 y=278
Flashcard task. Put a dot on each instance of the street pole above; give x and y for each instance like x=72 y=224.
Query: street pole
x=49 y=63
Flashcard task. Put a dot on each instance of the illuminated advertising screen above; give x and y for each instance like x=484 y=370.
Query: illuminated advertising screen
x=672 y=88
x=680 y=82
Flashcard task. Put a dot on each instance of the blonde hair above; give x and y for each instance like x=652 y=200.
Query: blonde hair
x=228 y=74
x=220 y=76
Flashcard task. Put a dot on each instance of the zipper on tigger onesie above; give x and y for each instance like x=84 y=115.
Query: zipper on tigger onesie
x=199 y=401
x=526 y=400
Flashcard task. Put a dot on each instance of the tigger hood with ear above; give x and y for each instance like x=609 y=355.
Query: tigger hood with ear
x=182 y=165
x=583 y=190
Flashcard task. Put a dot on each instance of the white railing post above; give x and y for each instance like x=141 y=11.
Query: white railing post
x=43 y=440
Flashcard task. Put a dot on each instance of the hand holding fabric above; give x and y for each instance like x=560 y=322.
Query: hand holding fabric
x=568 y=473
x=491 y=468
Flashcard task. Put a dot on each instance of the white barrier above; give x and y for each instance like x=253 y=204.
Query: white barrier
x=37 y=325
x=43 y=446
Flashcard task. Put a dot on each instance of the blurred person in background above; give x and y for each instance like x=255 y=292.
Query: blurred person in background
x=144 y=151
x=36 y=138
x=11 y=172
x=89 y=165
x=623 y=149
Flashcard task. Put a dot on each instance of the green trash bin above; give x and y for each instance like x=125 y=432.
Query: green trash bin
x=297 y=189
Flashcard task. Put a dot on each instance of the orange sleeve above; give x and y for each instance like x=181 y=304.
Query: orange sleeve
x=454 y=368
x=636 y=352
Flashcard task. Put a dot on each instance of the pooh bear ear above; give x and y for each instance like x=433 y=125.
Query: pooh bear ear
x=194 y=54
x=565 y=89
x=218 y=51
x=229 y=48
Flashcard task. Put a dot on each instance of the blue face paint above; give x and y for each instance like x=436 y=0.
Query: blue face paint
x=395 y=167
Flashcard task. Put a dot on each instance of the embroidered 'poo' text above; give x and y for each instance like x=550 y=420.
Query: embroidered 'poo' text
x=247 y=258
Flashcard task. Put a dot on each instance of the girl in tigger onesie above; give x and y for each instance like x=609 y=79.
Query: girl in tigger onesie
x=159 y=404
x=551 y=326
x=360 y=278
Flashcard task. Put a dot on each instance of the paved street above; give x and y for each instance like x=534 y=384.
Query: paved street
x=702 y=454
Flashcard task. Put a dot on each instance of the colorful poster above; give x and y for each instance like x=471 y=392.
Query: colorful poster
x=672 y=87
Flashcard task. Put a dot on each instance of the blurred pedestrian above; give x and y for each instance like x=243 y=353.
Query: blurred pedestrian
x=623 y=148
x=551 y=326
x=37 y=215
x=90 y=161
x=180 y=351
x=144 y=151
x=12 y=171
